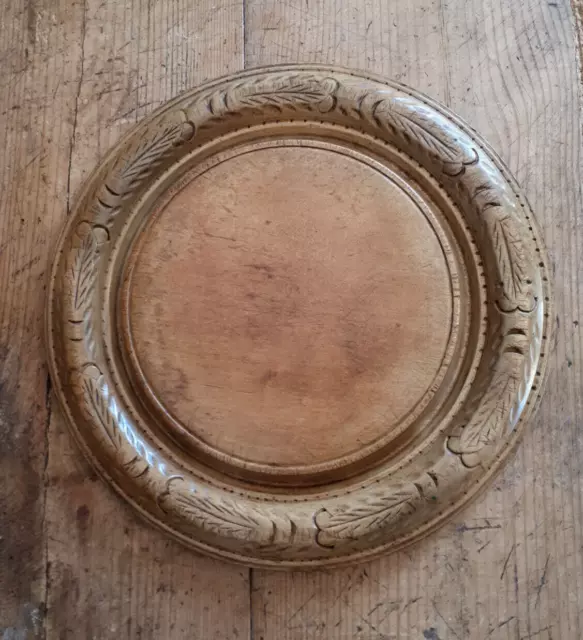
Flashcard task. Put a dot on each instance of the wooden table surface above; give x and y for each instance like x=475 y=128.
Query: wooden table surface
x=74 y=560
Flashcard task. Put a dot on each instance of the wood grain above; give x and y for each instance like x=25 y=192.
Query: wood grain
x=72 y=563
x=511 y=565
x=276 y=274
x=112 y=576
x=103 y=564
x=32 y=104
x=75 y=76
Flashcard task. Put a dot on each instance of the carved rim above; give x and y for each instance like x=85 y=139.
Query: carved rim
x=372 y=515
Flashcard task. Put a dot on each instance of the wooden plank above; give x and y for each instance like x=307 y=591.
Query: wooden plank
x=510 y=566
x=113 y=576
x=109 y=575
x=74 y=561
x=75 y=77
x=33 y=103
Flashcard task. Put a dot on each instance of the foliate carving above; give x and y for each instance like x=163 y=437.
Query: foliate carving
x=373 y=515
x=415 y=125
x=499 y=406
x=83 y=273
x=263 y=528
x=365 y=515
x=221 y=516
x=278 y=93
x=131 y=171
x=513 y=266
x=485 y=428
x=97 y=404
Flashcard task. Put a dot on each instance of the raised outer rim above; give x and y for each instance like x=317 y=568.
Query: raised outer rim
x=510 y=442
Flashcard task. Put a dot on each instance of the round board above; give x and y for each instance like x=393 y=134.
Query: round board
x=298 y=316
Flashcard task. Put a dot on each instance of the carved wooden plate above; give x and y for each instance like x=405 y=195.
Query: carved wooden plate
x=298 y=317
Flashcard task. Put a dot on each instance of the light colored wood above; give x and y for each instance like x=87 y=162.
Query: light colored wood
x=125 y=60
x=414 y=325
x=29 y=211
x=72 y=563
x=109 y=575
x=280 y=339
x=511 y=566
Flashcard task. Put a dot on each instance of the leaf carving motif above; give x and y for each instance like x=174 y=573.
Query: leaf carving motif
x=218 y=516
x=503 y=402
x=91 y=381
x=487 y=424
x=293 y=92
x=85 y=253
x=377 y=512
x=83 y=272
x=512 y=264
x=417 y=126
x=136 y=165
